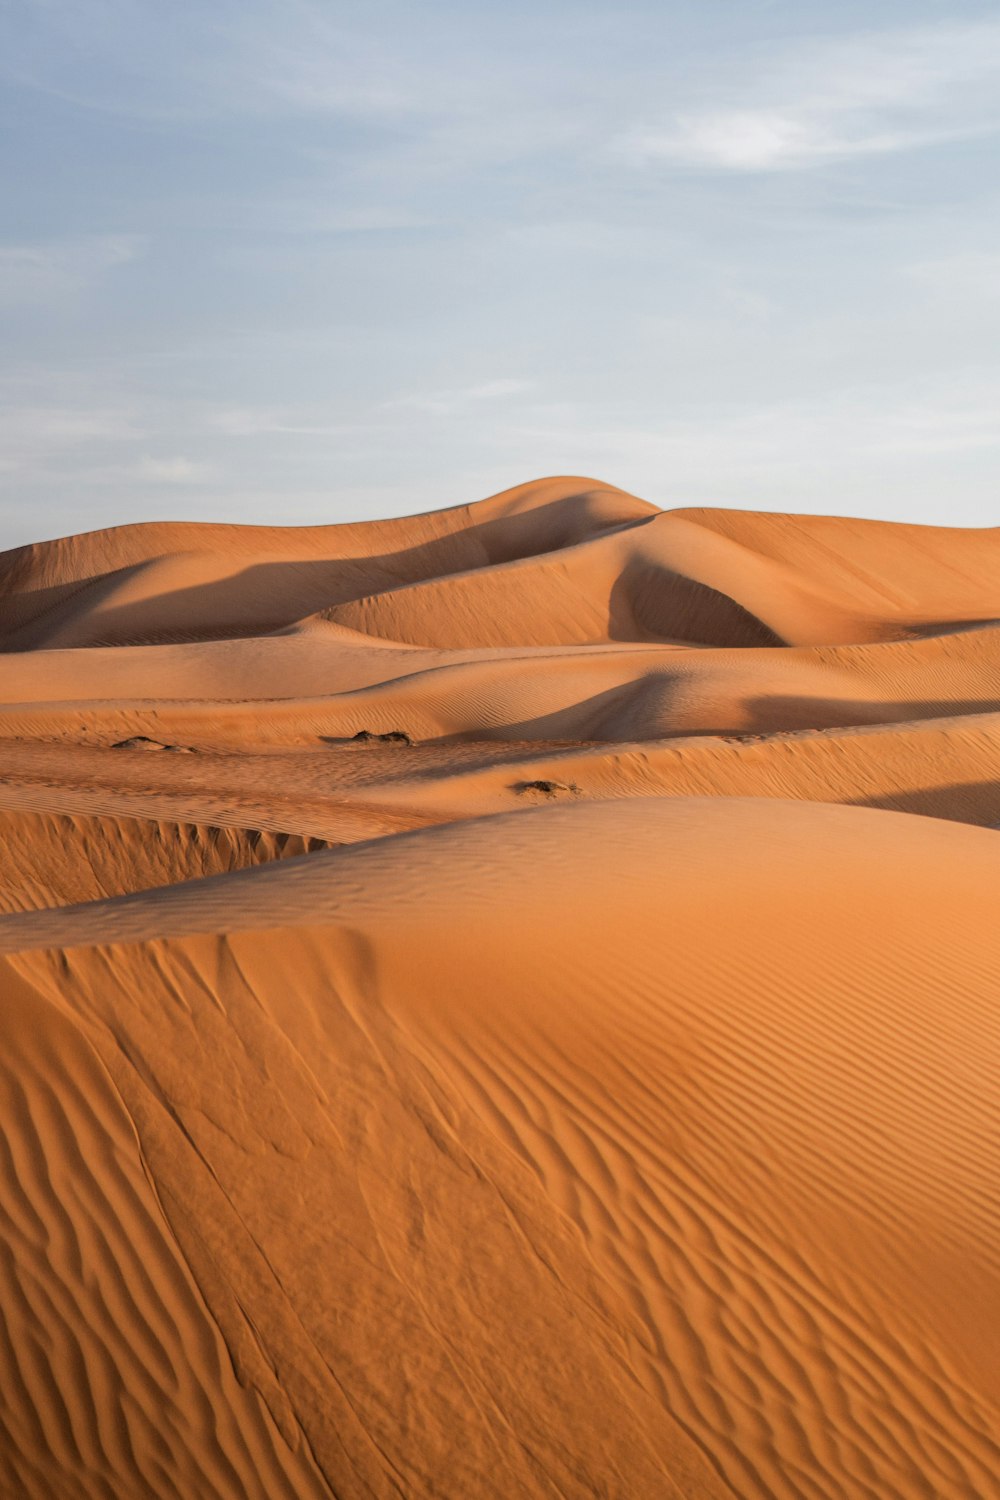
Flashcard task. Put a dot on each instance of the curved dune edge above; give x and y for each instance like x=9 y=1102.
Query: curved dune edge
x=595 y=1191
x=55 y=859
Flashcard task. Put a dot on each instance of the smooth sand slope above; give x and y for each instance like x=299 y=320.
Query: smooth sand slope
x=581 y=1085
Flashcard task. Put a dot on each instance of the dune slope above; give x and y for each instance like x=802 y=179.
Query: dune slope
x=736 y=1145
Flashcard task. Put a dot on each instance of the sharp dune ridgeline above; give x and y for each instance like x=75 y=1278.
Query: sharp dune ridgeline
x=501 y=1003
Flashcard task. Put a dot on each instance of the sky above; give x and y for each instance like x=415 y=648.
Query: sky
x=288 y=261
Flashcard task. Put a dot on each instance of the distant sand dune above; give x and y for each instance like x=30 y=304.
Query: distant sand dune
x=611 y=1114
x=189 y=581
x=561 y=693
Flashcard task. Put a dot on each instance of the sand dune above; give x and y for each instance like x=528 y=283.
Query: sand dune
x=189 y=581
x=561 y=693
x=609 y=1114
x=736 y=1145
x=571 y=562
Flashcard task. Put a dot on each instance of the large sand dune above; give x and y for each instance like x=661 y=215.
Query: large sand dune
x=582 y=1083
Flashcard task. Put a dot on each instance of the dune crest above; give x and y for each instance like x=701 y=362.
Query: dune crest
x=501 y=1002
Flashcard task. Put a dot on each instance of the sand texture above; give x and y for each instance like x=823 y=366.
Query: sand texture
x=501 y=1003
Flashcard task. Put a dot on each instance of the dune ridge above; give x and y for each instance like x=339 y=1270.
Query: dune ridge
x=501 y=1002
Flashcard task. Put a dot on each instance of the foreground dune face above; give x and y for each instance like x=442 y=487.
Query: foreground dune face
x=501 y=1003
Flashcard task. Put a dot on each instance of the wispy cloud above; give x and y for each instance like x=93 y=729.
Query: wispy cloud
x=759 y=140
x=260 y=421
x=176 y=470
x=436 y=100
x=264 y=421
x=973 y=276
x=448 y=402
x=45 y=270
x=35 y=438
x=850 y=452
x=866 y=95
x=245 y=57
x=63 y=426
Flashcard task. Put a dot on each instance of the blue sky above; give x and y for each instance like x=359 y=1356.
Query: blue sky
x=291 y=261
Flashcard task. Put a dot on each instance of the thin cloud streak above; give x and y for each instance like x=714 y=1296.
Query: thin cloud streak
x=868 y=95
x=52 y=269
x=446 y=403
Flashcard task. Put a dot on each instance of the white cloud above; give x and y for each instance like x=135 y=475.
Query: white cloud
x=760 y=140
x=866 y=95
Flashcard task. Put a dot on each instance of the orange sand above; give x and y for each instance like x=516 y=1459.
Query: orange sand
x=589 y=1092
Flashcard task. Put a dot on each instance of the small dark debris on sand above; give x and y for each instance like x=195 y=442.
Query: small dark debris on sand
x=548 y=788
x=143 y=742
x=394 y=737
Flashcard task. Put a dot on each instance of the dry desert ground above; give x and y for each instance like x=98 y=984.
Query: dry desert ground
x=501 y=1003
